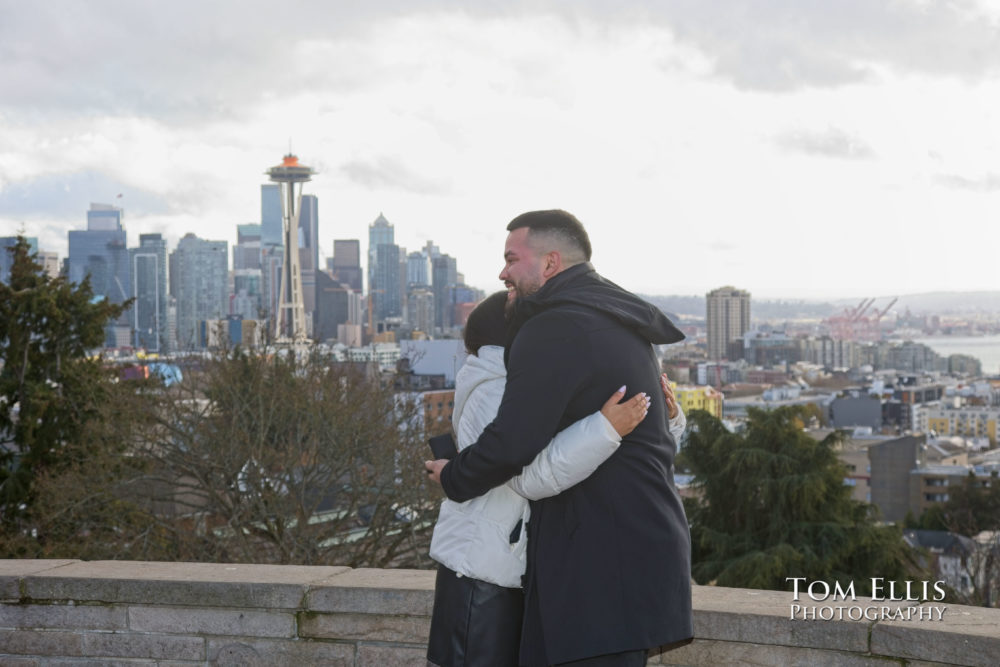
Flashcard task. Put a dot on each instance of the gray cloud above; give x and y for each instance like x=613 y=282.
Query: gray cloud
x=985 y=184
x=782 y=45
x=185 y=60
x=832 y=142
x=175 y=60
x=387 y=172
x=69 y=195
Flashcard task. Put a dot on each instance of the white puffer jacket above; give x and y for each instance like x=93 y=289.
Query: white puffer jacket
x=474 y=538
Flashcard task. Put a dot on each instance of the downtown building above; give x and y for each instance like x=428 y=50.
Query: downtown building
x=385 y=277
x=727 y=314
x=100 y=253
x=444 y=277
x=150 y=323
x=199 y=281
x=345 y=265
x=247 y=298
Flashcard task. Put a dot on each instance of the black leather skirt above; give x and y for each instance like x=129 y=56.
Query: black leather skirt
x=474 y=623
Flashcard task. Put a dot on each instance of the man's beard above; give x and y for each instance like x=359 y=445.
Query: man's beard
x=509 y=306
x=521 y=290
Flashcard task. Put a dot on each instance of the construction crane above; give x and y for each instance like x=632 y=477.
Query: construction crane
x=855 y=324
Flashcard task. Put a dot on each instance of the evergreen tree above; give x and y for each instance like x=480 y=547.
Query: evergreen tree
x=771 y=504
x=973 y=510
x=972 y=507
x=49 y=388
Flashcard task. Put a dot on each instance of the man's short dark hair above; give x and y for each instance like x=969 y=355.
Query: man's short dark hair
x=486 y=324
x=557 y=223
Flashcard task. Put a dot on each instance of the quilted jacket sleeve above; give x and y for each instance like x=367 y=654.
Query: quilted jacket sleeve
x=568 y=459
x=678 y=424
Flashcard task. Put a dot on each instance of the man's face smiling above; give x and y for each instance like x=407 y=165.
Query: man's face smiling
x=523 y=266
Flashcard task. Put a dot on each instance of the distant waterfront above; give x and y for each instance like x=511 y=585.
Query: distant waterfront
x=984 y=348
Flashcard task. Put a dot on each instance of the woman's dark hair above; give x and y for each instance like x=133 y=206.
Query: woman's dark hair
x=486 y=324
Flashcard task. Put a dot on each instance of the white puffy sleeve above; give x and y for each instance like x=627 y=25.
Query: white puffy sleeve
x=678 y=424
x=568 y=459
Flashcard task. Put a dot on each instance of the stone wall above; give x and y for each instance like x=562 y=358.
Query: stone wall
x=126 y=613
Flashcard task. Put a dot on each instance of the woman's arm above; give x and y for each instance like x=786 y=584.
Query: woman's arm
x=678 y=422
x=580 y=448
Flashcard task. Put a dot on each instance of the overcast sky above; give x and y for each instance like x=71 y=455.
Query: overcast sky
x=793 y=148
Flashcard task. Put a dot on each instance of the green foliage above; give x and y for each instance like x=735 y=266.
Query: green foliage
x=253 y=458
x=771 y=503
x=49 y=389
x=971 y=507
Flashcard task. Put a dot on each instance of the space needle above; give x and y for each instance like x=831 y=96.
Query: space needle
x=290 y=325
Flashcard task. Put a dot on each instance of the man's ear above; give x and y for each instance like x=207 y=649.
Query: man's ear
x=552 y=264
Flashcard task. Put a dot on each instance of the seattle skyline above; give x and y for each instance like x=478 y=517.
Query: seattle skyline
x=795 y=150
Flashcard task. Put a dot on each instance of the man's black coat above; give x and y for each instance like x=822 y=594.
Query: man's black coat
x=609 y=559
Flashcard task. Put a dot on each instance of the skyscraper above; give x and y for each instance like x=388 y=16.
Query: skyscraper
x=336 y=304
x=248 y=284
x=418 y=270
x=384 y=298
x=50 y=262
x=728 y=318
x=100 y=251
x=246 y=253
x=149 y=286
x=444 y=275
x=380 y=232
x=420 y=310
x=309 y=249
x=270 y=215
x=346 y=263
x=385 y=286
x=199 y=281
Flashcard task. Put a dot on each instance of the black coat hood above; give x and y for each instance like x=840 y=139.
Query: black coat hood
x=581 y=285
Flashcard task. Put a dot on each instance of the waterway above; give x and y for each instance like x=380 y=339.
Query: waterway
x=984 y=348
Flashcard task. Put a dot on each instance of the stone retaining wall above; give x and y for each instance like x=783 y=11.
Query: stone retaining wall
x=56 y=612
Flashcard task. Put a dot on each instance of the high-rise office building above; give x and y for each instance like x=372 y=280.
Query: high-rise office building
x=248 y=282
x=309 y=250
x=271 y=232
x=149 y=286
x=385 y=286
x=380 y=232
x=420 y=309
x=245 y=300
x=105 y=217
x=418 y=269
x=345 y=266
x=383 y=270
x=271 y=259
x=727 y=318
x=100 y=252
x=199 y=278
x=444 y=275
x=336 y=304
x=246 y=252
x=50 y=262
x=309 y=232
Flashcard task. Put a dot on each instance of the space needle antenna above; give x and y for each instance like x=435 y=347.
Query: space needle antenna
x=290 y=325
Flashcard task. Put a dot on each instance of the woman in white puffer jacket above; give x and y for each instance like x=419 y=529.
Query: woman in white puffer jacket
x=481 y=544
